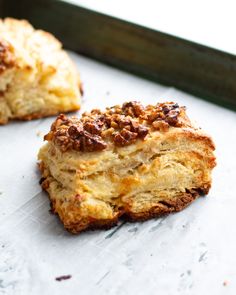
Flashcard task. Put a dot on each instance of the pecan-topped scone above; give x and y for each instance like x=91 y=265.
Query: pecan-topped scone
x=37 y=77
x=132 y=161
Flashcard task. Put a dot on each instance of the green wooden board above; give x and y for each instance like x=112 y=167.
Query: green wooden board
x=194 y=68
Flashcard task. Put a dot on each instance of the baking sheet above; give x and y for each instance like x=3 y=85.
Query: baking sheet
x=191 y=252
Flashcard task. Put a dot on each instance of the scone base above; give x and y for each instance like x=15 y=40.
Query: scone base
x=156 y=211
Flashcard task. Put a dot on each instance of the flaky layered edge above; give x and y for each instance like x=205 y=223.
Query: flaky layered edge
x=178 y=203
x=88 y=223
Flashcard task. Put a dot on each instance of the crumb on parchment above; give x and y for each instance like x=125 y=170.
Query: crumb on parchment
x=39 y=133
x=62 y=278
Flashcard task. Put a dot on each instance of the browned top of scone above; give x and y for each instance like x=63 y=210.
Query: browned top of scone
x=7 y=59
x=118 y=125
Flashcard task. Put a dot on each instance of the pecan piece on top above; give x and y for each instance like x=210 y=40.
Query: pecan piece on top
x=133 y=108
x=84 y=140
x=75 y=131
x=125 y=137
x=93 y=127
x=91 y=143
x=142 y=131
x=160 y=125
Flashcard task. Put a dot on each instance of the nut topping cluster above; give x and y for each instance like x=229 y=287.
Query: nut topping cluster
x=6 y=56
x=120 y=125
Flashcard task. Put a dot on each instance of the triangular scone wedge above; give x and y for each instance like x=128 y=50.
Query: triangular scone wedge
x=133 y=161
x=37 y=77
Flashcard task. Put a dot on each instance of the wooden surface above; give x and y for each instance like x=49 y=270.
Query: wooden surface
x=156 y=54
x=192 y=252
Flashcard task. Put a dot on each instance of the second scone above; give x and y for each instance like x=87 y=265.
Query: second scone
x=37 y=77
x=129 y=160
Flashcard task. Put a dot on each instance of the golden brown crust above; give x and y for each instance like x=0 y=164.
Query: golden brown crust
x=163 y=208
x=90 y=224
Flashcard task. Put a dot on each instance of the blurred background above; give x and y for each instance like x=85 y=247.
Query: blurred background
x=208 y=22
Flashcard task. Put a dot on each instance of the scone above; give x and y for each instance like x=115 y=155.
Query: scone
x=132 y=161
x=37 y=77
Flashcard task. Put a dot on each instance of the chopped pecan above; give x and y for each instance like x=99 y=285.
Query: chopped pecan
x=7 y=58
x=84 y=140
x=172 y=117
x=61 y=120
x=114 y=110
x=107 y=132
x=93 y=127
x=114 y=124
x=170 y=106
x=125 y=137
x=160 y=125
x=75 y=131
x=90 y=143
x=133 y=108
x=142 y=131
x=96 y=112
x=123 y=122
